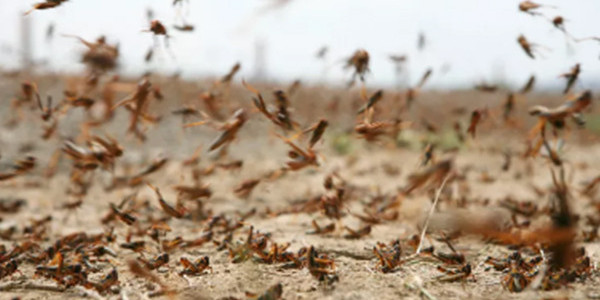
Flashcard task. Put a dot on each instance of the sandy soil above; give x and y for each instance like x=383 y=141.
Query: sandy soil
x=368 y=169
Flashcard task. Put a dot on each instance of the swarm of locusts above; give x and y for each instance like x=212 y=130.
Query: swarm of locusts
x=159 y=225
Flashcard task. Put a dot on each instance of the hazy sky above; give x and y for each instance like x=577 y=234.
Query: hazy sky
x=474 y=39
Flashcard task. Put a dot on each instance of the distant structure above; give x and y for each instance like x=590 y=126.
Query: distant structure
x=26 y=48
x=260 y=61
x=421 y=42
x=402 y=75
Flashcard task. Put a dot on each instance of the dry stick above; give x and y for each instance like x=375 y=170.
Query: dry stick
x=49 y=288
x=30 y=286
x=435 y=201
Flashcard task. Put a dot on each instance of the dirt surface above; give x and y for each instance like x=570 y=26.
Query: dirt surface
x=369 y=170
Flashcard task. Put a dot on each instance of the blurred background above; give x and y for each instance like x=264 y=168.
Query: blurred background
x=464 y=41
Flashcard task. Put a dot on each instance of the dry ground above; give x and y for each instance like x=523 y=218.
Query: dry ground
x=371 y=169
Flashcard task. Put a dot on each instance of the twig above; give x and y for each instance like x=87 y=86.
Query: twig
x=30 y=286
x=49 y=288
x=435 y=201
